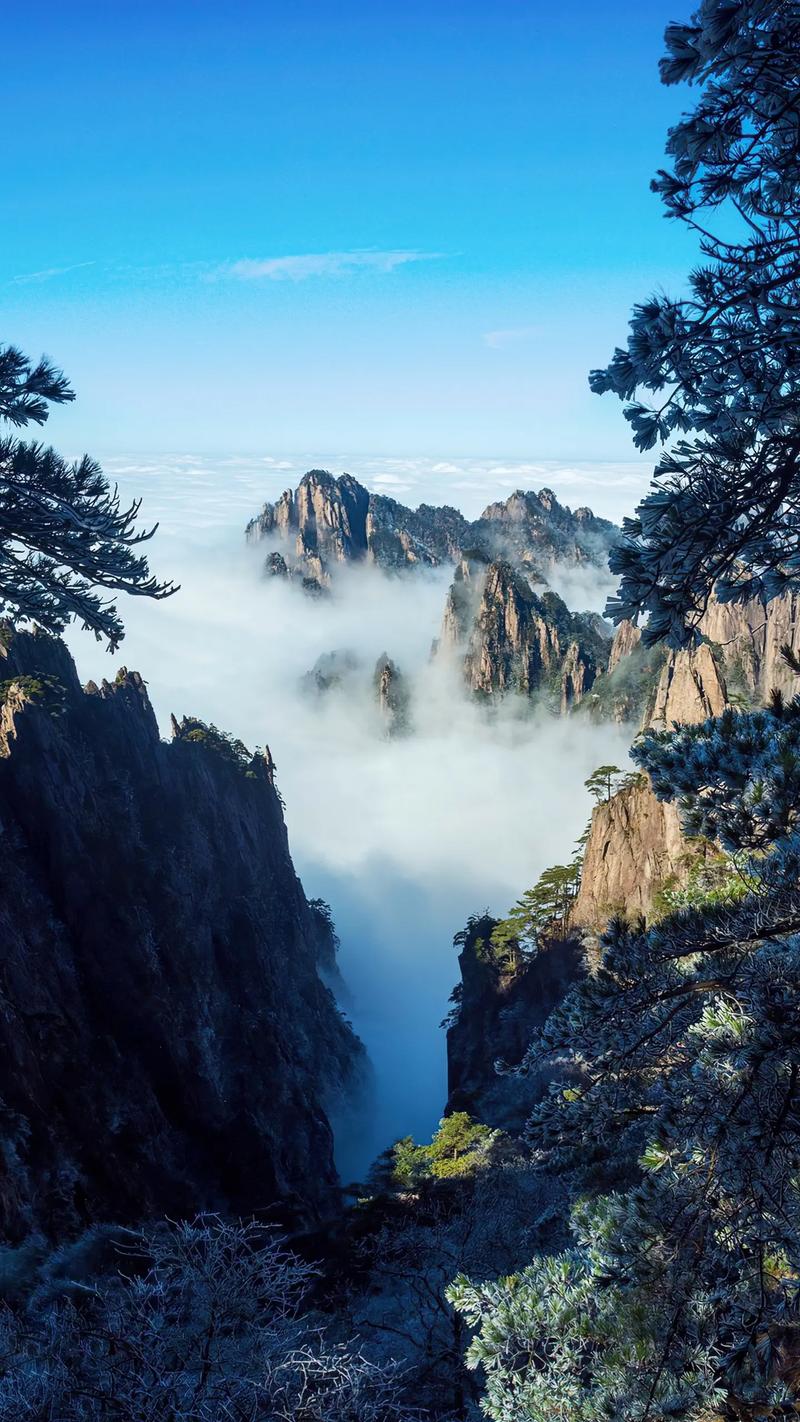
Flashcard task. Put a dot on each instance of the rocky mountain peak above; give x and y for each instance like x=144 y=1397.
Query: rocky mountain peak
x=392 y=696
x=513 y=639
x=329 y=520
x=537 y=531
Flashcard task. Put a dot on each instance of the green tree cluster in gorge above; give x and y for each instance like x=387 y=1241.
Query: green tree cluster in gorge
x=679 y=1296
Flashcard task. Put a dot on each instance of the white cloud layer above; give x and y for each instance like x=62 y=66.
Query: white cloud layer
x=239 y=484
x=405 y=838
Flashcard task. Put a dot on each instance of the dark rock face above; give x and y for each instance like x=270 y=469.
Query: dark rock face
x=399 y=537
x=501 y=1001
x=275 y=565
x=166 y=1042
x=329 y=520
x=332 y=671
x=513 y=639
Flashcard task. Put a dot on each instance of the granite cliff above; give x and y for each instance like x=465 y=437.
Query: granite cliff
x=392 y=697
x=511 y=638
x=636 y=845
x=536 y=531
x=167 y=1044
x=331 y=520
x=328 y=521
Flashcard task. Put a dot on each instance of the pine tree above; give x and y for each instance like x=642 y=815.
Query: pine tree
x=722 y=360
x=679 y=1128
x=601 y=782
x=65 y=539
x=680 y=1296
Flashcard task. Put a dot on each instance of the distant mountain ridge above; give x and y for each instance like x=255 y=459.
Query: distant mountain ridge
x=329 y=520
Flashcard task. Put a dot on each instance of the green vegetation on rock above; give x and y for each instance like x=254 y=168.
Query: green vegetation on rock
x=459 y=1147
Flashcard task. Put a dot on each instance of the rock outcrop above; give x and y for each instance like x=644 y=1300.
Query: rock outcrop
x=626 y=639
x=691 y=688
x=748 y=638
x=333 y=671
x=501 y=1000
x=328 y=521
x=635 y=847
x=166 y=1042
x=513 y=639
x=392 y=697
x=739 y=659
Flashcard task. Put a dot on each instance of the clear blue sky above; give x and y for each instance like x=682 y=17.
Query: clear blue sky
x=466 y=183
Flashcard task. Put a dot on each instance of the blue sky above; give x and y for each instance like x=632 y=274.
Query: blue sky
x=406 y=228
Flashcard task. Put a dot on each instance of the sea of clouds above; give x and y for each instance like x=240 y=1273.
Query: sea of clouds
x=404 y=837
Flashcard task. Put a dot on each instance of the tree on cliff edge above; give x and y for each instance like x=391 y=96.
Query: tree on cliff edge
x=722 y=361
x=65 y=540
x=679 y=1128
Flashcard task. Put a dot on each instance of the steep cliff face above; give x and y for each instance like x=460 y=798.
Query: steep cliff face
x=635 y=847
x=500 y=1001
x=329 y=520
x=691 y=688
x=391 y=696
x=462 y=602
x=626 y=639
x=740 y=658
x=749 y=637
x=166 y=1042
x=625 y=691
x=513 y=639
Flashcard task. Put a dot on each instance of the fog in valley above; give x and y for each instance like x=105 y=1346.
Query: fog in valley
x=403 y=837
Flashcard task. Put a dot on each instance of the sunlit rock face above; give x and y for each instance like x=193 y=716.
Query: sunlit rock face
x=635 y=848
x=331 y=520
x=739 y=661
x=749 y=637
x=166 y=1042
x=626 y=639
x=328 y=521
x=691 y=688
x=511 y=639
x=635 y=845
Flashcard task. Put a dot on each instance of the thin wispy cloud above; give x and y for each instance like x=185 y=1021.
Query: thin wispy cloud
x=321 y=264
x=48 y=273
x=513 y=336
